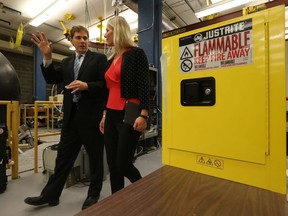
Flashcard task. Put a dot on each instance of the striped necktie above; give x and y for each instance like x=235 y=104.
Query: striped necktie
x=77 y=65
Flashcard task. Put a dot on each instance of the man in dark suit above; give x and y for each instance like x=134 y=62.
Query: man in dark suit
x=84 y=95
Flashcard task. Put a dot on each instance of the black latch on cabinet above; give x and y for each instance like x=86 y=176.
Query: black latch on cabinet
x=198 y=92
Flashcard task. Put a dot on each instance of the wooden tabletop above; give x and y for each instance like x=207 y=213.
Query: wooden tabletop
x=171 y=191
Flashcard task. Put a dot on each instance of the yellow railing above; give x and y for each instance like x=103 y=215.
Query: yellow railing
x=13 y=123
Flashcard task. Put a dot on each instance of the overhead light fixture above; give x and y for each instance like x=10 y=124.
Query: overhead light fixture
x=215 y=1
x=221 y=6
x=51 y=10
x=133 y=25
x=130 y=16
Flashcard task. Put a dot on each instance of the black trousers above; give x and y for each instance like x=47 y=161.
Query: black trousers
x=72 y=138
x=120 y=143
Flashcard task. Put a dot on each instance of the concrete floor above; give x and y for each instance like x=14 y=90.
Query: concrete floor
x=72 y=198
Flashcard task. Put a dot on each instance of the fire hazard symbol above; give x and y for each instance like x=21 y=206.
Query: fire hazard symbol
x=209 y=161
x=186 y=54
x=186 y=62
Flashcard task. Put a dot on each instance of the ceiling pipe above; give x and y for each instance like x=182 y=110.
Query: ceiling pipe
x=190 y=6
x=174 y=12
x=133 y=5
x=5 y=21
x=168 y=24
x=5 y=8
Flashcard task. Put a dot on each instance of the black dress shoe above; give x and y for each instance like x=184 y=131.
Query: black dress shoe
x=90 y=200
x=40 y=200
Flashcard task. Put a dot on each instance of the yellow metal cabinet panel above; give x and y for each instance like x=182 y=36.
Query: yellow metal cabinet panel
x=233 y=137
x=236 y=126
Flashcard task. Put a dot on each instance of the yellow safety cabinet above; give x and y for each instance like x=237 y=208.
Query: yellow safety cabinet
x=223 y=100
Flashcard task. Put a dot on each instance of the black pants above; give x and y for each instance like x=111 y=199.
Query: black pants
x=72 y=138
x=120 y=142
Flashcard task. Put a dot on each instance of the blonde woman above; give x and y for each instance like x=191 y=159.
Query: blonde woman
x=127 y=79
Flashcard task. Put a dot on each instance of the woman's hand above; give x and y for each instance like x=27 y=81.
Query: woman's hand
x=102 y=122
x=101 y=125
x=140 y=124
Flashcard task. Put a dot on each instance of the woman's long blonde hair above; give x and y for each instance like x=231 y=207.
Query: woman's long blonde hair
x=121 y=33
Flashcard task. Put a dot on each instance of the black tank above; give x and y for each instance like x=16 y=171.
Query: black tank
x=9 y=90
x=9 y=81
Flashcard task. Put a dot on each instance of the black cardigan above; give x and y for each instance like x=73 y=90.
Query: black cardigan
x=135 y=76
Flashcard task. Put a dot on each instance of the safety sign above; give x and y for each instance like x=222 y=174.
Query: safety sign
x=224 y=46
x=209 y=161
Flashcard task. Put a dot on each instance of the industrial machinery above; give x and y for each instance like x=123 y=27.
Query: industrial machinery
x=149 y=139
x=49 y=158
x=3 y=158
x=25 y=136
x=80 y=171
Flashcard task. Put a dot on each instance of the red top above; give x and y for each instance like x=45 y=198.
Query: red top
x=112 y=77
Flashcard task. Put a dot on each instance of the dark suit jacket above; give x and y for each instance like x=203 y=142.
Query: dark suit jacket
x=92 y=72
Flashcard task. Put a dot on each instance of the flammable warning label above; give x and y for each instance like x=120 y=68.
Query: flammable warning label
x=211 y=162
x=221 y=47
